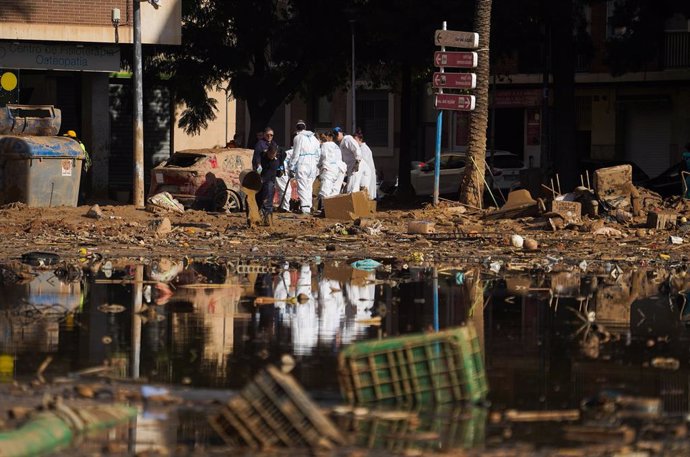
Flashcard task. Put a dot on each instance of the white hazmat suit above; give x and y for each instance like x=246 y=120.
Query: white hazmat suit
x=368 y=157
x=333 y=169
x=357 y=175
x=305 y=323
x=306 y=151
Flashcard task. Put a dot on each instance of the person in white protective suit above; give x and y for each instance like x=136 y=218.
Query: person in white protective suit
x=285 y=191
x=306 y=151
x=281 y=291
x=368 y=157
x=332 y=167
x=361 y=295
x=331 y=310
x=304 y=323
x=357 y=169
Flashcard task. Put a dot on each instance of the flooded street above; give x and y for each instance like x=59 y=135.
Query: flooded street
x=551 y=341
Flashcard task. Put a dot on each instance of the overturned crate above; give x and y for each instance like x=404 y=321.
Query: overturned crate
x=273 y=411
x=441 y=428
x=437 y=368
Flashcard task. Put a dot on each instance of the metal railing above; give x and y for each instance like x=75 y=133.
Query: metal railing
x=677 y=50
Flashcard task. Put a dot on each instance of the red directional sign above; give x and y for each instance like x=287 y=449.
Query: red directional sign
x=455 y=59
x=455 y=80
x=455 y=102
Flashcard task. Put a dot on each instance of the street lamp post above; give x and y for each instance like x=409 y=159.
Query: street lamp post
x=138 y=115
x=354 y=90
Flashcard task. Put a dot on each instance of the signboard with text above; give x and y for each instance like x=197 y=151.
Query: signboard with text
x=455 y=59
x=37 y=56
x=456 y=39
x=455 y=80
x=454 y=102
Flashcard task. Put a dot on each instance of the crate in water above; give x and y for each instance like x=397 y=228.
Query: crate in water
x=441 y=428
x=440 y=367
x=273 y=411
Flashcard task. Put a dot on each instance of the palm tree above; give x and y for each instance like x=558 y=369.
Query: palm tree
x=472 y=185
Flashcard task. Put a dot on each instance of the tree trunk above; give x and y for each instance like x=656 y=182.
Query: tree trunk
x=472 y=185
x=404 y=184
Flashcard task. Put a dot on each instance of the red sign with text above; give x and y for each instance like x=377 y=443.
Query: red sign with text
x=455 y=102
x=455 y=80
x=455 y=59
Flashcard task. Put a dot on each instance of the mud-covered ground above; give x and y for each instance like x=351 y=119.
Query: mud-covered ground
x=461 y=236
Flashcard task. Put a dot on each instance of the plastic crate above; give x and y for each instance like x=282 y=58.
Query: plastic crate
x=273 y=411
x=440 y=367
x=443 y=428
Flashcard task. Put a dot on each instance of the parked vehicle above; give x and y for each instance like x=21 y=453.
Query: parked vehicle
x=505 y=173
x=206 y=179
x=668 y=183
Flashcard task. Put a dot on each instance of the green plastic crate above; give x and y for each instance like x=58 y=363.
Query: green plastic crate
x=273 y=411
x=441 y=428
x=441 y=367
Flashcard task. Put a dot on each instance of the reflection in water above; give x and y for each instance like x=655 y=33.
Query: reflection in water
x=551 y=340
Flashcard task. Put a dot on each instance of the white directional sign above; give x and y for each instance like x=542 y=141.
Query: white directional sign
x=456 y=39
x=455 y=80
x=455 y=102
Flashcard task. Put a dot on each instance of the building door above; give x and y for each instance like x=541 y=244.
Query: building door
x=509 y=134
x=648 y=135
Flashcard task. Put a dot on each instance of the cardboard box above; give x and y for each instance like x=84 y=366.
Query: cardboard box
x=661 y=220
x=571 y=211
x=348 y=207
x=613 y=182
x=423 y=227
x=344 y=273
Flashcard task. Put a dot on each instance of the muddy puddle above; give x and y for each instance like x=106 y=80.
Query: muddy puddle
x=573 y=359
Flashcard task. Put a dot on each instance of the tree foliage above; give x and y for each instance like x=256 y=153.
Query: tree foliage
x=262 y=51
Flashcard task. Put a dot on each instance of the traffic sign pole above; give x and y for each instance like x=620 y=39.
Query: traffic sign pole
x=437 y=155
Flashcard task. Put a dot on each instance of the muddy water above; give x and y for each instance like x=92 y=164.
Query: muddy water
x=550 y=340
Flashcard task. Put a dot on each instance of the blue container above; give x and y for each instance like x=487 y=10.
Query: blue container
x=41 y=171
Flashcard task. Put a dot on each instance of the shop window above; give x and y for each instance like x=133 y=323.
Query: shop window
x=372 y=116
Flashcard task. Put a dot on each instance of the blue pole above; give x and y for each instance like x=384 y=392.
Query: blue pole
x=437 y=160
x=436 y=322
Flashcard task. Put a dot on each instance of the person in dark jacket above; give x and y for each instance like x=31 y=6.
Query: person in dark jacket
x=261 y=147
x=271 y=168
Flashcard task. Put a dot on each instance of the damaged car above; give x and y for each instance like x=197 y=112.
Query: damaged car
x=204 y=179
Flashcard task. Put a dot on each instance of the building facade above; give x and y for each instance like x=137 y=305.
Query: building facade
x=642 y=117
x=68 y=53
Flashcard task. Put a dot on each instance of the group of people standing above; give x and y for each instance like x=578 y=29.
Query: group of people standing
x=342 y=163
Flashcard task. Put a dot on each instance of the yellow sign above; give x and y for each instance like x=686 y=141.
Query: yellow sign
x=8 y=81
x=6 y=368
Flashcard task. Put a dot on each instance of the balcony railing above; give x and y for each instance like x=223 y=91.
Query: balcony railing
x=677 y=50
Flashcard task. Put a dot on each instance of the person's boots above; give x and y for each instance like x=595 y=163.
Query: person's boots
x=267 y=218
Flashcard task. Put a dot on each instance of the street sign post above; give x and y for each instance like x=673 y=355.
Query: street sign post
x=455 y=80
x=455 y=59
x=455 y=102
x=443 y=80
x=457 y=39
